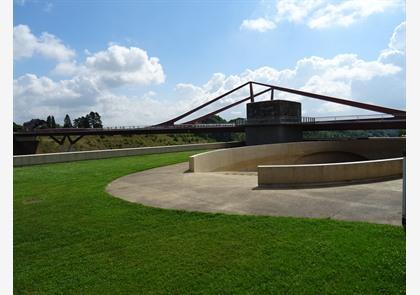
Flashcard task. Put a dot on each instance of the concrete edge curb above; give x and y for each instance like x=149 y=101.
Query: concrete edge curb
x=27 y=160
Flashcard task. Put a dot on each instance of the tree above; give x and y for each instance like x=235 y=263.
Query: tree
x=239 y=121
x=82 y=122
x=215 y=119
x=51 y=122
x=35 y=124
x=17 y=127
x=67 y=122
x=91 y=120
x=218 y=136
x=94 y=120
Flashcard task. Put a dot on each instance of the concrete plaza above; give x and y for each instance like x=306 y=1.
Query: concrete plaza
x=173 y=187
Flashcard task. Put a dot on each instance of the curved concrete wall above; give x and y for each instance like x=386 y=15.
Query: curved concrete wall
x=249 y=157
x=324 y=174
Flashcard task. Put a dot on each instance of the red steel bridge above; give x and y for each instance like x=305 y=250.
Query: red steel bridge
x=387 y=118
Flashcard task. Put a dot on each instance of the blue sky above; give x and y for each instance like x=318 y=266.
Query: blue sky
x=203 y=48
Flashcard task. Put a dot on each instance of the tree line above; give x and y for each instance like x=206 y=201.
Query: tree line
x=90 y=120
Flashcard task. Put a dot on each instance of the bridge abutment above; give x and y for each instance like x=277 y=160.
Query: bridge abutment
x=25 y=145
x=273 y=121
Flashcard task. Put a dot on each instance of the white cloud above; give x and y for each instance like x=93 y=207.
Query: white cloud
x=66 y=68
x=348 y=12
x=259 y=24
x=397 y=41
x=125 y=110
x=335 y=76
x=296 y=10
x=33 y=90
x=390 y=90
x=119 y=65
x=321 y=14
x=380 y=81
x=395 y=53
x=38 y=97
x=114 y=67
x=25 y=45
x=85 y=85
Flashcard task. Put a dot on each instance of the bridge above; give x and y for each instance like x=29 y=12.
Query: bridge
x=387 y=118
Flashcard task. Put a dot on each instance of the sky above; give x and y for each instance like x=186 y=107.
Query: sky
x=144 y=62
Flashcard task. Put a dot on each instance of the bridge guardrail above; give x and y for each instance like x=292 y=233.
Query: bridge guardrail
x=353 y=117
x=282 y=120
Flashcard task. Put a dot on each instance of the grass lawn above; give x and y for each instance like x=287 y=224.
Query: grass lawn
x=72 y=237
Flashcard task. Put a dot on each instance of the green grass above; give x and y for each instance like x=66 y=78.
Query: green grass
x=98 y=142
x=70 y=237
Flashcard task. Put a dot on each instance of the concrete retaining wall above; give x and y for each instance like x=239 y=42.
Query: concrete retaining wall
x=249 y=157
x=333 y=173
x=24 y=160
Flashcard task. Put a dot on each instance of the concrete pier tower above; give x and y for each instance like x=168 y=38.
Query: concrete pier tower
x=273 y=121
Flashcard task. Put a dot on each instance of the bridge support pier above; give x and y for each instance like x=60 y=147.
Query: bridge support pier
x=25 y=145
x=273 y=121
x=63 y=139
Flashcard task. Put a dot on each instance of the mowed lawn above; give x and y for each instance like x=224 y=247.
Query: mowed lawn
x=71 y=237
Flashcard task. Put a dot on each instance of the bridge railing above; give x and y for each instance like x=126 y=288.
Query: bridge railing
x=353 y=117
x=268 y=120
x=279 y=120
x=183 y=126
x=175 y=126
x=125 y=127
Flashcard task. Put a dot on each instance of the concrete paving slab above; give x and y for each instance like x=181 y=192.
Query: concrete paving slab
x=173 y=187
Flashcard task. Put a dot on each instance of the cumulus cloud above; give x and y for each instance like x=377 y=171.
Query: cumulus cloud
x=119 y=65
x=92 y=87
x=320 y=14
x=390 y=90
x=85 y=84
x=66 y=68
x=296 y=11
x=140 y=110
x=26 y=44
x=34 y=95
x=380 y=81
x=346 y=13
x=395 y=53
x=34 y=90
x=259 y=24
x=113 y=67
x=335 y=76
x=397 y=41
x=37 y=97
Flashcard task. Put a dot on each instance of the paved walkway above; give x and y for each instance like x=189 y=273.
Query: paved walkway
x=172 y=187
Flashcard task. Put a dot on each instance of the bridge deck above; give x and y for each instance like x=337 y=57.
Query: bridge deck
x=355 y=124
